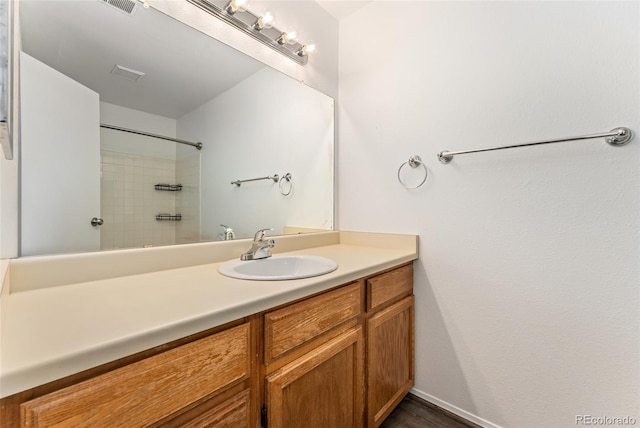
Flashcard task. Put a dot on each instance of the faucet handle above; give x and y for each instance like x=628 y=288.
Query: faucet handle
x=260 y=234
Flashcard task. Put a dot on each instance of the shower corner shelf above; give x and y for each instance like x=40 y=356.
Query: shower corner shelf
x=169 y=187
x=169 y=217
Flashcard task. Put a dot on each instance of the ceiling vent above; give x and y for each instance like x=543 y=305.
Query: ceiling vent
x=126 y=6
x=127 y=73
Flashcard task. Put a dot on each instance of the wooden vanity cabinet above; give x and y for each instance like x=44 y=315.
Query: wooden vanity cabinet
x=318 y=373
x=390 y=342
x=341 y=358
x=314 y=362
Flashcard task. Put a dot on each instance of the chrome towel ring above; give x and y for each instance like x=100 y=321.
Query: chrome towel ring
x=414 y=162
x=287 y=178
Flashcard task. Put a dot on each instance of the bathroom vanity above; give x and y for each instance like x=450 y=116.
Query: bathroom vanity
x=334 y=350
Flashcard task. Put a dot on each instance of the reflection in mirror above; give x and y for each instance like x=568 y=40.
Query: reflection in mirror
x=86 y=62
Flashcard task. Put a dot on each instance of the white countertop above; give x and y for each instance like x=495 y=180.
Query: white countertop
x=52 y=332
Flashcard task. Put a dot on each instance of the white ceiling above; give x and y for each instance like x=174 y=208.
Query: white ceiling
x=85 y=39
x=342 y=8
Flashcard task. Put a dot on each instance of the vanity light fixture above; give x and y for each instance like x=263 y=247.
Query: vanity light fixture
x=259 y=26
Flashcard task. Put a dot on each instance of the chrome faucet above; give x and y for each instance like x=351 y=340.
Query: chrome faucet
x=228 y=233
x=260 y=246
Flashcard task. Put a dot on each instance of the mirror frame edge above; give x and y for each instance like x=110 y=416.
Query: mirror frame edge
x=9 y=170
x=7 y=131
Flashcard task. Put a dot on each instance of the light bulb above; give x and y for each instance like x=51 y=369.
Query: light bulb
x=235 y=6
x=288 y=37
x=306 y=50
x=292 y=37
x=265 y=21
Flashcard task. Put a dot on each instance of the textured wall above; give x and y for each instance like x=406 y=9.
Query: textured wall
x=527 y=283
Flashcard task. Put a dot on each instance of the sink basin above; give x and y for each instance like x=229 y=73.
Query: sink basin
x=278 y=268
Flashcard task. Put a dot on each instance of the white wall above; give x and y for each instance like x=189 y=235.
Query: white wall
x=527 y=284
x=291 y=131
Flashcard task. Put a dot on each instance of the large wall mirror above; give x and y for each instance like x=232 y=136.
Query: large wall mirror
x=87 y=63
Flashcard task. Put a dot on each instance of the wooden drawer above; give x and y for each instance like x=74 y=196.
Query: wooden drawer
x=149 y=390
x=294 y=325
x=389 y=286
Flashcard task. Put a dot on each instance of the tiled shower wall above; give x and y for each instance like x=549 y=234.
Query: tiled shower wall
x=188 y=200
x=130 y=203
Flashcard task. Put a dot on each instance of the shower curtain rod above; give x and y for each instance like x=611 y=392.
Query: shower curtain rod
x=616 y=137
x=148 y=134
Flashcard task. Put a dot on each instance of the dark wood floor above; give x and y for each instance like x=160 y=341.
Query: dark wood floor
x=414 y=412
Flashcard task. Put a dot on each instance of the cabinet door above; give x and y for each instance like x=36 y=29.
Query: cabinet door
x=322 y=389
x=390 y=374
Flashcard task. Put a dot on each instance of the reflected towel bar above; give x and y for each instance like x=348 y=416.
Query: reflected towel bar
x=615 y=137
x=148 y=134
x=169 y=217
x=274 y=177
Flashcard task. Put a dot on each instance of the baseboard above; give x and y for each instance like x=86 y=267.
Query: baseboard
x=466 y=417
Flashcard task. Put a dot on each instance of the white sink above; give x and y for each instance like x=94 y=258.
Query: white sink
x=278 y=268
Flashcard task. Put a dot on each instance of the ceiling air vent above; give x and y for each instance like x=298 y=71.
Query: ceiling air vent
x=127 y=73
x=127 y=6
